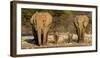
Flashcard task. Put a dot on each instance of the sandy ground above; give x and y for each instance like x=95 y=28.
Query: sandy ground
x=62 y=42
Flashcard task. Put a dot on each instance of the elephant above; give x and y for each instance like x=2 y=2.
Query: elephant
x=42 y=22
x=81 y=22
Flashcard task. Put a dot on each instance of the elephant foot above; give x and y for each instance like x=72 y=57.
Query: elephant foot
x=39 y=44
x=81 y=41
x=44 y=43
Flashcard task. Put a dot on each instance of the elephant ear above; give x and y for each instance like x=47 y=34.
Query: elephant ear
x=76 y=22
x=86 y=22
x=33 y=20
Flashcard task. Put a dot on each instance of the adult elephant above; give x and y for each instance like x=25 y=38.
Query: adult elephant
x=41 y=21
x=81 y=22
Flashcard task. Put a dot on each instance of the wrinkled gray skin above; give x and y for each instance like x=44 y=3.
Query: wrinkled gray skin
x=81 y=22
x=42 y=21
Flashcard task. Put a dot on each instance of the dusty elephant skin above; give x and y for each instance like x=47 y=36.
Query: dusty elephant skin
x=81 y=22
x=41 y=21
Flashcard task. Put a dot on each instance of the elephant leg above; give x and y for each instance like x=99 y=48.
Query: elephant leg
x=44 y=37
x=81 y=39
x=82 y=36
x=34 y=33
x=39 y=37
x=78 y=34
